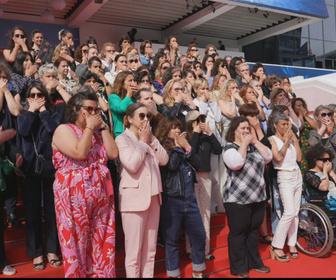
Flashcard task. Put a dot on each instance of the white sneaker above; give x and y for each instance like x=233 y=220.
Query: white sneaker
x=8 y=270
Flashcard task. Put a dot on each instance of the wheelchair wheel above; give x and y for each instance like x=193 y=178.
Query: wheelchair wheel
x=315 y=234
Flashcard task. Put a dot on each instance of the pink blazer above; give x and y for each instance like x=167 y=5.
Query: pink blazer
x=140 y=169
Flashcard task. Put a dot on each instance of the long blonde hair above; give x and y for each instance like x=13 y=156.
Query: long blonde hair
x=167 y=98
x=223 y=92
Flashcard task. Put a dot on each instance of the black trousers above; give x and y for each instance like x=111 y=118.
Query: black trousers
x=243 y=240
x=33 y=189
x=3 y=261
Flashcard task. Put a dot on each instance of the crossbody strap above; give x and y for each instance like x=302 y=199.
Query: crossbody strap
x=34 y=145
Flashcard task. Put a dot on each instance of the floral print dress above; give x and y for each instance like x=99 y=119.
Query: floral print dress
x=304 y=135
x=85 y=211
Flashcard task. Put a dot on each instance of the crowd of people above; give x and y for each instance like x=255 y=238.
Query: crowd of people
x=168 y=140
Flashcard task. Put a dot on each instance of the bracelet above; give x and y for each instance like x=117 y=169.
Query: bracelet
x=89 y=128
x=188 y=150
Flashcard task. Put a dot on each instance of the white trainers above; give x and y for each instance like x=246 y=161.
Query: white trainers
x=8 y=270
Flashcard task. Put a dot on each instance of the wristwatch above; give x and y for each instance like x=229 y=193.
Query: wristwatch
x=107 y=84
x=99 y=94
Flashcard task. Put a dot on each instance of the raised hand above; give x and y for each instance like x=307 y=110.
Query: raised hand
x=93 y=121
x=182 y=141
x=145 y=131
x=247 y=139
x=35 y=104
x=30 y=70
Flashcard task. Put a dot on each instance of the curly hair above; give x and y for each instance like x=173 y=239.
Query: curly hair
x=317 y=152
x=163 y=129
x=274 y=93
x=58 y=50
x=78 y=55
x=223 y=92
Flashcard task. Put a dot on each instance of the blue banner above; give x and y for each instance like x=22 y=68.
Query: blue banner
x=315 y=8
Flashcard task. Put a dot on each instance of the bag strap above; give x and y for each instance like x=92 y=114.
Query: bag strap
x=34 y=145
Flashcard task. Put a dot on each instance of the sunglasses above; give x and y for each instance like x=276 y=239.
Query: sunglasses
x=145 y=81
x=165 y=68
x=326 y=114
x=201 y=119
x=133 y=60
x=143 y=115
x=85 y=51
x=20 y=36
x=324 y=159
x=90 y=109
x=33 y=95
x=223 y=66
x=194 y=50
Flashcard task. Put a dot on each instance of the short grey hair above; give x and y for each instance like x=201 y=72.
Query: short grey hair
x=49 y=67
x=278 y=117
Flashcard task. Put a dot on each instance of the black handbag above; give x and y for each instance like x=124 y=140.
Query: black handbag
x=42 y=167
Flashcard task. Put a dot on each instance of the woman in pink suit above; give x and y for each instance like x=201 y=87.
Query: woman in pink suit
x=140 y=155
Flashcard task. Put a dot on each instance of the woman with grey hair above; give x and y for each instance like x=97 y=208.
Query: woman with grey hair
x=58 y=95
x=286 y=153
x=326 y=131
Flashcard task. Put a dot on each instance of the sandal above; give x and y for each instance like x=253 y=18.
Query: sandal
x=39 y=266
x=54 y=262
x=264 y=239
x=8 y=270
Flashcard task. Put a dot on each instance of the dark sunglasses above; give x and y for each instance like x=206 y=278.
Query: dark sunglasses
x=20 y=36
x=223 y=66
x=201 y=119
x=33 y=95
x=143 y=115
x=133 y=60
x=324 y=159
x=194 y=50
x=90 y=109
x=85 y=51
x=165 y=68
x=326 y=114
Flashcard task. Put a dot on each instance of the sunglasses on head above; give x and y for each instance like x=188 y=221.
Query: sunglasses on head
x=324 y=159
x=143 y=115
x=20 y=36
x=90 y=109
x=33 y=95
x=326 y=114
x=201 y=119
x=133 y=60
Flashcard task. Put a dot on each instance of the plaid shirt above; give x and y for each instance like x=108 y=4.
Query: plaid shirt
x=246 y=183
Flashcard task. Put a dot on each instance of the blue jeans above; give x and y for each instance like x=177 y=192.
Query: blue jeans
x=177 y=212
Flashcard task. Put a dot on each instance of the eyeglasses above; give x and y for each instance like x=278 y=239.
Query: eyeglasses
x=33 y=95
x=165 y=68
x=201 y=119
x=194 y=50
x=326 y=114
x=324 y=159
x=20 y=36
x=145 y=81
x=178 y=89
x=133 y=60
x=90 y=109
x=143 y=115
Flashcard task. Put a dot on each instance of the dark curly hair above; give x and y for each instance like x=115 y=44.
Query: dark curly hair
x=316 y=152
x=162 y=131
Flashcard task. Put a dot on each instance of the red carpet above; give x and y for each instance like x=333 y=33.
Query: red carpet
x=303 y=267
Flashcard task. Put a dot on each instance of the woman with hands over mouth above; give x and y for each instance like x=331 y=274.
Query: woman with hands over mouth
x=36 y=126
x=286 y=155
x=326 y=132
x=140 y=155
x=179 y=205
x=244 y=196
x=84 y=199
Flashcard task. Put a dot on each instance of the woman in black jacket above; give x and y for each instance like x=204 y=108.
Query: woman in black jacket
x=179 y=206
x=36 y=127
x=200 y=136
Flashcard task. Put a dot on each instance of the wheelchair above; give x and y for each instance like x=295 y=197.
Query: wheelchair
x=317 y=223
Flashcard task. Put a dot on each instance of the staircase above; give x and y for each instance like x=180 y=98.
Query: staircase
x=15 y=243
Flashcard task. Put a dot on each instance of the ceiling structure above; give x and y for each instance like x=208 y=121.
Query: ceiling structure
x=222 y=18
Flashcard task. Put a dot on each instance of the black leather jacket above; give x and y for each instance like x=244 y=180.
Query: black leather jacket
x=172 y=174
